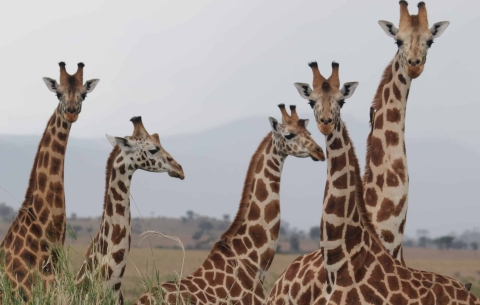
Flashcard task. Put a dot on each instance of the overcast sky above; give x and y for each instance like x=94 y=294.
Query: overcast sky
x=187 y=66
x=191 y=65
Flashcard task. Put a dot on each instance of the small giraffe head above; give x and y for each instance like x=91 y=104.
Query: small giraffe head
x=326 y=98
x=291 y=137
x=71 y=92
x=144 y=151
x=413 y=37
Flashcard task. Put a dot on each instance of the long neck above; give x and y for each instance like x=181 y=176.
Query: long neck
x=45 y=196
x=109 y=250
x=115 y=228
x=254 y=232
x=386 y=172
x=41 y=219
x=343 y=219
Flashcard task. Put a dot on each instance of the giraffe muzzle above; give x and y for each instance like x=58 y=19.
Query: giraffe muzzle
x=317 y=154
x=414 y=71
x=173 y=174
x=325 y=129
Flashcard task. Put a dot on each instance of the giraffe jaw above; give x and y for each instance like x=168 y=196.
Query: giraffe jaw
x=414 y=72
x=71 y=117
x=325 y=129
x=176 y=175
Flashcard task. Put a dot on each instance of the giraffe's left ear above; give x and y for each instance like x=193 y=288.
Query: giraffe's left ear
x=124 y=143
x=91 y=84
x=274 y=124
x=348 y=89
x=52 y=84
x=389 y=28
x=304 y=90
x=438 y=28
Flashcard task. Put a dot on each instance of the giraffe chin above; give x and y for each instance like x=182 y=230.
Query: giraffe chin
x=71 y=117
x=414 y=72
x=176 y=175
x=325 y=129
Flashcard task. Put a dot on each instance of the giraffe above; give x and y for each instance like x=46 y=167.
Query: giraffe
x=110 y=248
x=234 y=270
x=304 y=278
x=352 y=265
x=386 y=177
x=29 y=245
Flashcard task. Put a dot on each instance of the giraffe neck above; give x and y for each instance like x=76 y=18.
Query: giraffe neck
x=254 y=232
x=343 y=220
x=386 y=172
x=41 y=218
x=112 y=242
x=45 y=193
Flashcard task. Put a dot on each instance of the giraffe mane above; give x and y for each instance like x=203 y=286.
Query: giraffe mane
x=242 y=211
x=376 y=104
x=33 y=177
x=361 y=207
x=108 y=173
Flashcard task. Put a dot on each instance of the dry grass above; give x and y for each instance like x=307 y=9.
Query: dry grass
x=463 y=265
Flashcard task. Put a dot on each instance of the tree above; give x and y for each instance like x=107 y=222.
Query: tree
x=6 y=212
x=205 y=225
x=226 y=217
x=197 y=235
x=314 y=232
x=190 y=214
x=294 y=243
x=444 y=242
x=474 y=246
x=73 y=216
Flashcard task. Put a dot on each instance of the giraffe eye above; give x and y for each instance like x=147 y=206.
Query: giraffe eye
x=290 y=136
x=341 y=102
x=311 y=103
x=84 y=95
x=153 y=151
x=399 y=42
x=59 y=95
x=429 y=43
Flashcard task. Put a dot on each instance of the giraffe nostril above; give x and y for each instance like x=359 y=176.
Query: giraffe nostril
x=322 y=120
x=318 y=149
x=418 y=62
x=179 y=166
x=329 y=121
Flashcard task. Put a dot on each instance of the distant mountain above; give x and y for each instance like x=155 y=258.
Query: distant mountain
x=443 y=176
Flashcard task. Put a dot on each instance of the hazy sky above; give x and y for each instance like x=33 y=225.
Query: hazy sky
x=191 y=65
x=186 y=66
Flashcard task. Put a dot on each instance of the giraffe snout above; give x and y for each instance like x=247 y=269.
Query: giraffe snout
x=317 y=154
x=414 y=61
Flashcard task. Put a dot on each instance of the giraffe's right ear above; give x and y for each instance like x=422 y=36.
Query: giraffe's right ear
x=274 y=124
x=124 y=143
x=52 y=84
x=91 y=84
x=304 y=90
x=389 y=28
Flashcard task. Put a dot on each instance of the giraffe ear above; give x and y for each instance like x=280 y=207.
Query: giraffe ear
x=438 y=28
x=348 y=89
x=52 y=84
x=124 y=143
x=91 y=84
x=274 y=124
x=389 y=28
x=304 y=90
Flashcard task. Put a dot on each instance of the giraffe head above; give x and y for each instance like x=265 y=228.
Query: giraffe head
x=326 y=98
x=144 y=151
x=71 y=92
x=291 y=137
x=413 y=37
